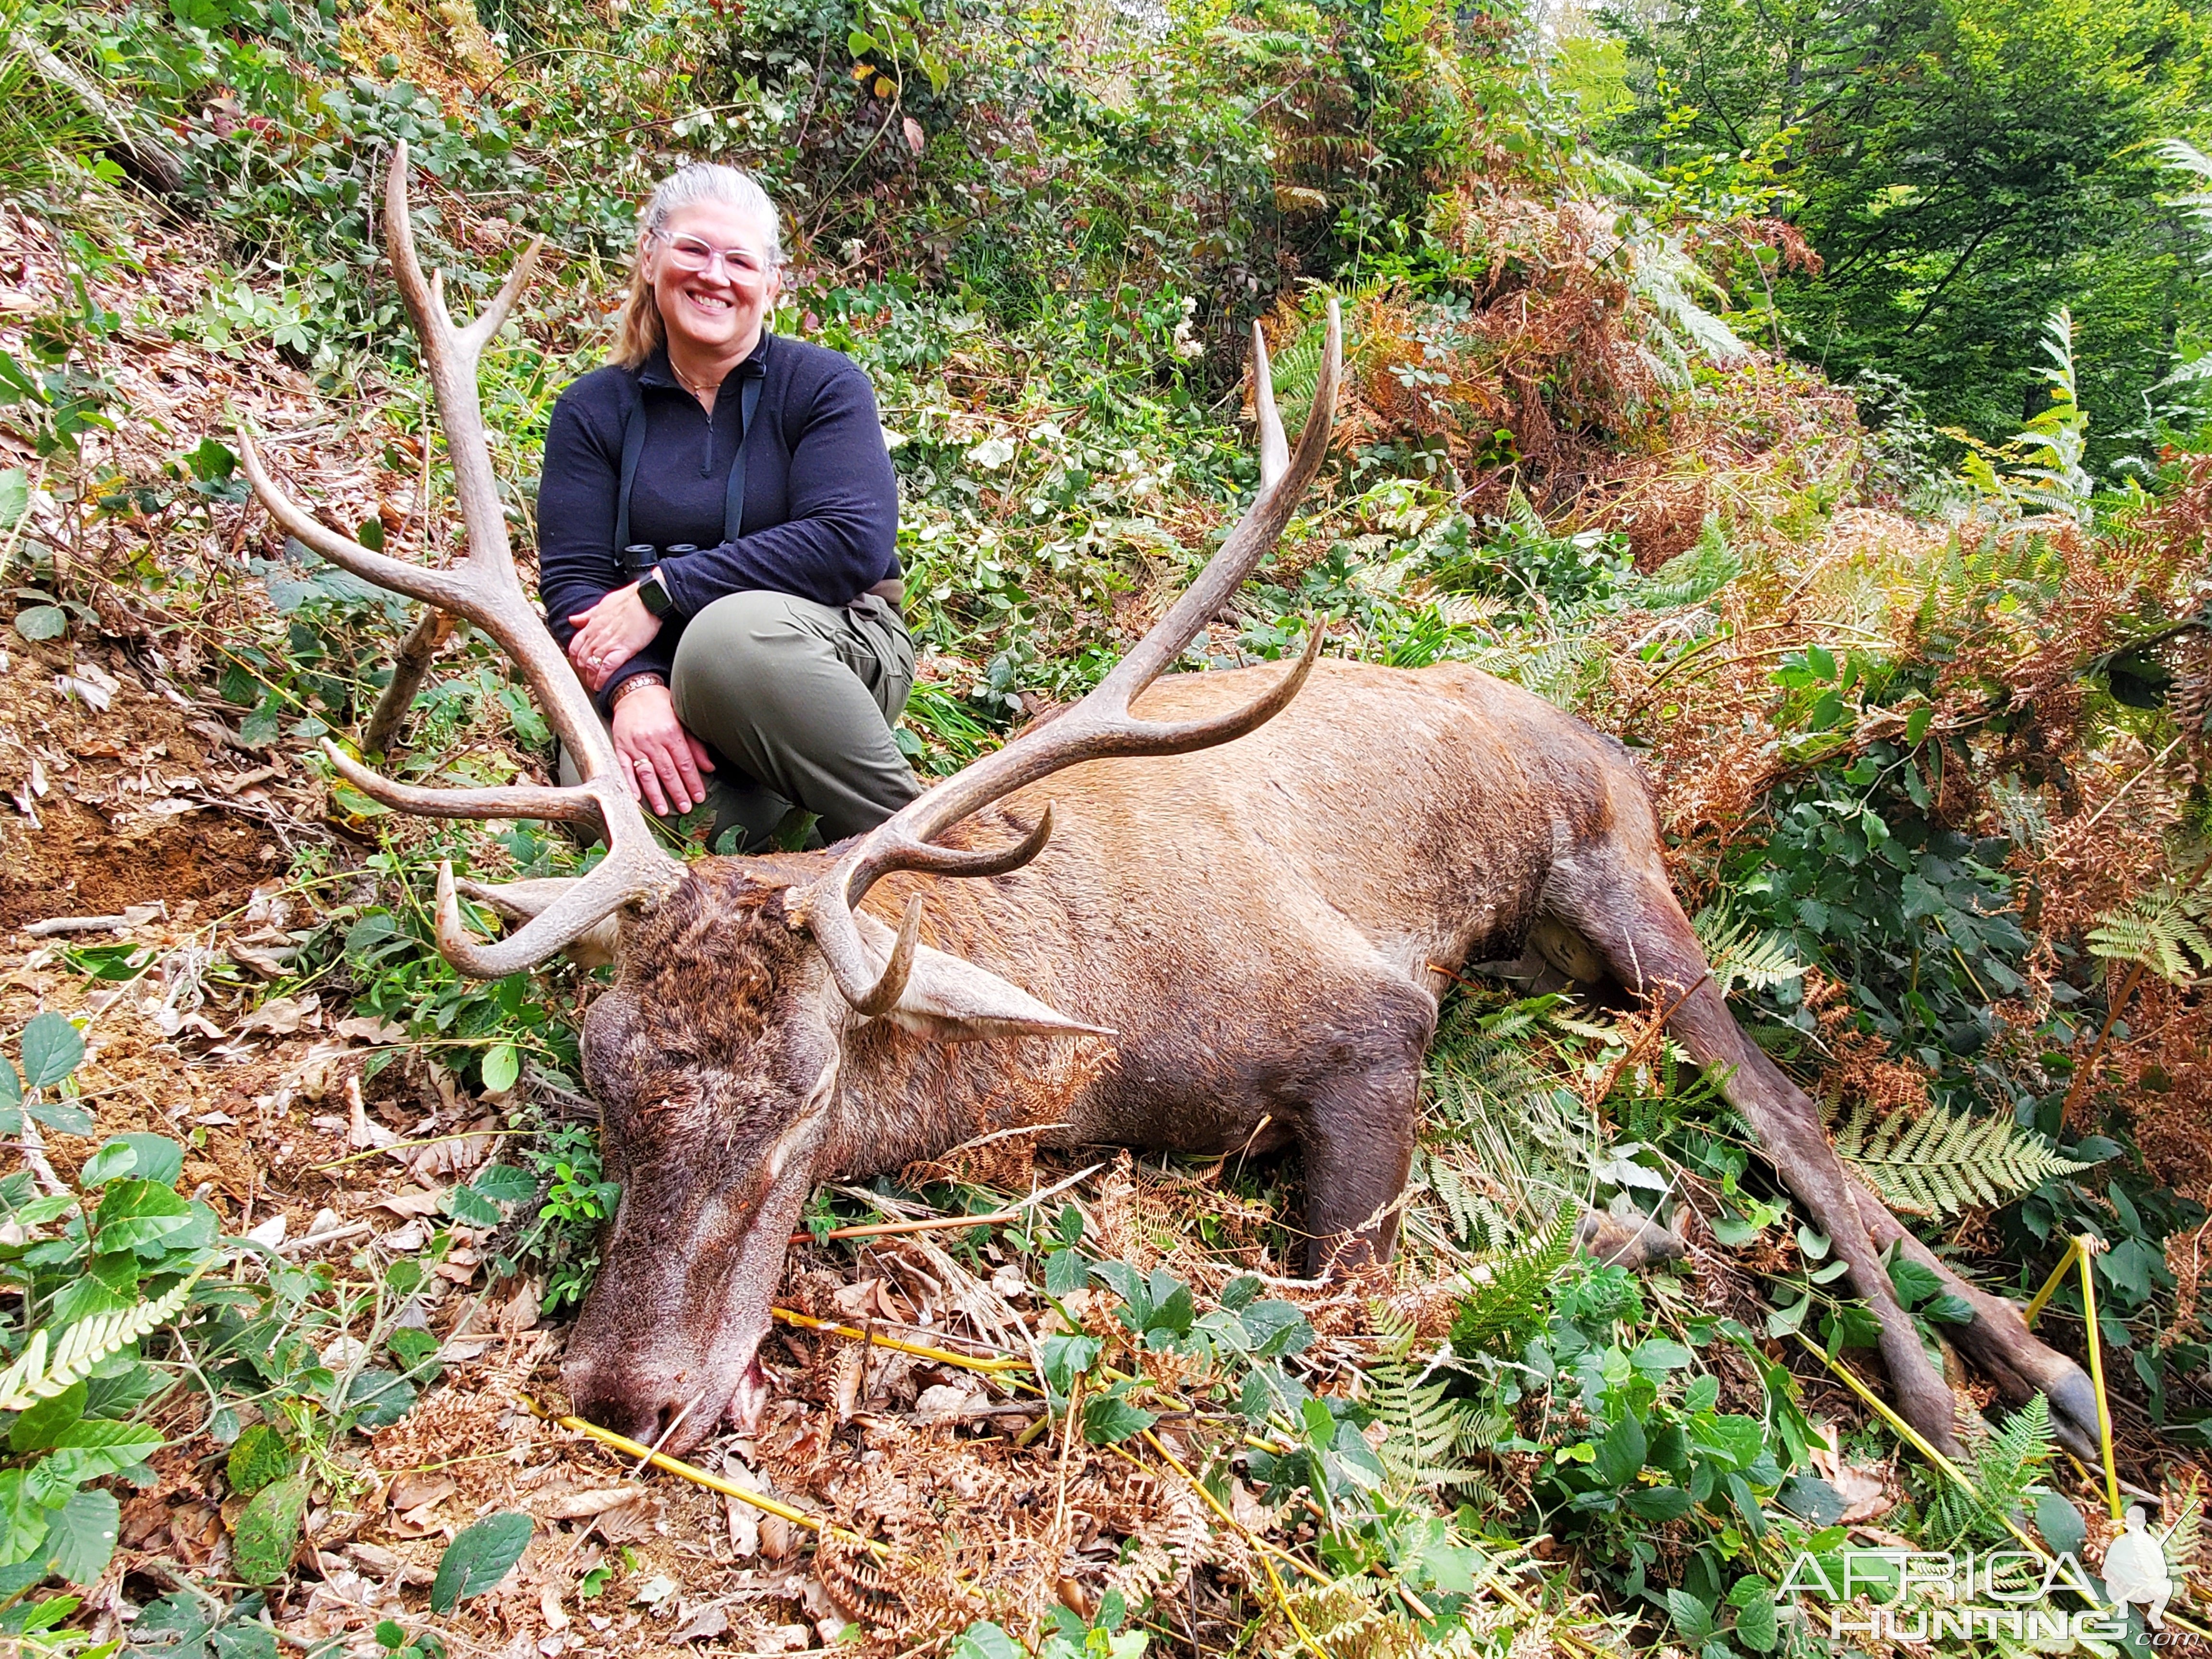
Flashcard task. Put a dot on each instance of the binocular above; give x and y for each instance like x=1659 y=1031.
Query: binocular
x=640 y=556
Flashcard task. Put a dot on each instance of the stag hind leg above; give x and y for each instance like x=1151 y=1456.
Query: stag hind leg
x=1640 y=932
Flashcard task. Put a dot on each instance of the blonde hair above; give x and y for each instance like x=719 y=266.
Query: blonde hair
x=639 y=331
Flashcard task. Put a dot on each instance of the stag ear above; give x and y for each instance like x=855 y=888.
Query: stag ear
x=955 y=1001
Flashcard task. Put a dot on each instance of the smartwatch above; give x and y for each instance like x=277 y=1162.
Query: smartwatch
x=653 y=596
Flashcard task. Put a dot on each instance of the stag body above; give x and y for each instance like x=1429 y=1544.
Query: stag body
x=1218 y=950
x=1264 y=926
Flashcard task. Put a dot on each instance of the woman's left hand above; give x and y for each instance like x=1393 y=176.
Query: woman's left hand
x=609 y=635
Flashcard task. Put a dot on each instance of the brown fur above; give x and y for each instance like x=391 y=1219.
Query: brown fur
x=1264 y=926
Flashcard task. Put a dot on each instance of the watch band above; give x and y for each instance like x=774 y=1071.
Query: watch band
x=632 y=683
x=653 y=594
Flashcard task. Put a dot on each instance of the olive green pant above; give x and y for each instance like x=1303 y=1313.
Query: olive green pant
x=796 y=700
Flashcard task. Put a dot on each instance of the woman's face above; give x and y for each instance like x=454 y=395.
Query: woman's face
x=712 y=277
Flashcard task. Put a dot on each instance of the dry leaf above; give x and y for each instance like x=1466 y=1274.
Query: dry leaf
x=414 y=1490
x=576 y=1505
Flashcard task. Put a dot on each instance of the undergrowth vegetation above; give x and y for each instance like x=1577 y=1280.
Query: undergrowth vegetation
x=1925 y=714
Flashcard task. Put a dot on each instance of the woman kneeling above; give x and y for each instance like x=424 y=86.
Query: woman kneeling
x=717 y=531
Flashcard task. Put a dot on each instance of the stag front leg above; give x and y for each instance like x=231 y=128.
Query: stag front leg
x=1356 y=1105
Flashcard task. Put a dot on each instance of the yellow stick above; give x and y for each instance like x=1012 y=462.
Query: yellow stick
x=2057 y=1277
x=698 y=1476
x=943 y=1356
x=2087 y=1248
x=1913 y=1436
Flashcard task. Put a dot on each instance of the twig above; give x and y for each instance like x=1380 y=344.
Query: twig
x=942 y=1356
x=698 y=1476
x=2085 y=1251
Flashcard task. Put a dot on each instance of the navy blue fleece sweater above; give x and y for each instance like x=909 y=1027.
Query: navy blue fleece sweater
x=821 y=516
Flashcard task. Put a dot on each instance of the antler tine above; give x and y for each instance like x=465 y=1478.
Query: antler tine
x=1098 y=727
x=1274 y=454
x=485 y=589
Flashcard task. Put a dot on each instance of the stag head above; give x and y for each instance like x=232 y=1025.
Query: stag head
x=741 y=983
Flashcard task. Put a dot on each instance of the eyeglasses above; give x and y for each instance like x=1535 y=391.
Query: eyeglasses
x=690 y=253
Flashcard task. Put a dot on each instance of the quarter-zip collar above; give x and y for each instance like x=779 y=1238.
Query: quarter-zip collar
x=656 y=370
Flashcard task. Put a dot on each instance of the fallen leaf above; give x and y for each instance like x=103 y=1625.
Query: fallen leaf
x=575 y=1505
x=363 y=1029
x=414 y=1490
x=413 y=1202
x=702 y=1626
x=283 y=1016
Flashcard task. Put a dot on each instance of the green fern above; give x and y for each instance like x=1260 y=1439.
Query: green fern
x=1739 y=953
x=1933 y=1162
x=39 y=1374
x=1424 y=1431
x=1689 y=578
x=2002 y=1466
x=1513 y=1294
x=2162 y=930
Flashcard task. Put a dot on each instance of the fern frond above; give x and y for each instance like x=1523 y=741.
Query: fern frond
x=2162 y=929
x=39 y=1374
x=1933 y=1162
x=1513 y=1293
x=1689 y=578
x=1739 y=953
x=2003 y=1466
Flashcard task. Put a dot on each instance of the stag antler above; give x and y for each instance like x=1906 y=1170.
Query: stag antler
x=486 y=591
x=1100 y=726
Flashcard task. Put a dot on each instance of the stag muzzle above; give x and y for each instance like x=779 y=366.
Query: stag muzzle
x=667 y=1349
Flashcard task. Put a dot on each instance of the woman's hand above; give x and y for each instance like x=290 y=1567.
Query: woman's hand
x=661 y=760
x=609 y=635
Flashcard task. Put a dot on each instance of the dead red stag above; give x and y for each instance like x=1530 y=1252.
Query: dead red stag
x=1251 y=940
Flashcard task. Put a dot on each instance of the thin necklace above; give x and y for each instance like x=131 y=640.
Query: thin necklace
x=691 y=386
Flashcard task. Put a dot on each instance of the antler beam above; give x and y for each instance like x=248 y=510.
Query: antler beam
x=1099 y=726
x=485 y=589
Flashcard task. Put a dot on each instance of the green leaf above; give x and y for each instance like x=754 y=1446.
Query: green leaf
x=981 y=1640
x=41 y=621
x=1660 y=1354
x=15 y=496
x=243 y=1638
x=160 y=1159
x=259 y=1457
x=22 y=1519
x=502 y=1066
x=378 y=1399
x=476 y=1560
x=64 y=1117
x=1066 y=1357
x=43 y=1424
x=114 y=1160
x=1756 y=1626
x=1913 y=1283
x=1659 y=1502
x=1109 y=1420
x=268 y=1531
x=466 y=1205
x=133 y=1212
x=1691 y=1616
x=52 y=1049
x=81 y=1536
x=503 y=1183
x=1066 y=1272
x=2060 y=1523
x=1620 y=1454
x=90 y=1449
x=1275 y=1328
x=1916 y=726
